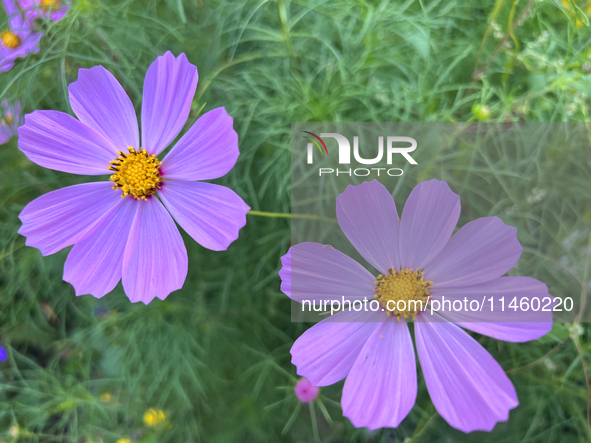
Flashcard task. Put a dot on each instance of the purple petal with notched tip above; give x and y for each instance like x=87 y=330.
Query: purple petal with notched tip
x=313 y=271
x=208 y=150
x=326 y=352
x=480 y=251
x=485 y=313
x=94 y=263
x=100 y=102
x=428 y=220
x=381 y=387
x=155 y=260
x=213 y=215
x=467 y=386
x=367 y=215
x=169 y=88
x=55 y=140
x=61 y=218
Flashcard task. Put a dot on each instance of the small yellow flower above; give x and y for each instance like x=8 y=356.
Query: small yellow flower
x=154 y=417
x=106 y=397
x=124 y=440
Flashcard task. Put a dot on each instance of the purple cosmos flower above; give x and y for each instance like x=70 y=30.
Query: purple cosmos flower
x=132 y=238
x=417 y=260
x=9 y=120
x=51 y=9
x=18 y=40
x=305 y=391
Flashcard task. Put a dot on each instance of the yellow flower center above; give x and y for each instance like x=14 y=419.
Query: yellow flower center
x=47 y=5
x=403 y=293
x=136 y=173
x=10 y=40
x=8 y=118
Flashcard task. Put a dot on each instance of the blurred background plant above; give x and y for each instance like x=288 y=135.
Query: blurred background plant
x=212 y=362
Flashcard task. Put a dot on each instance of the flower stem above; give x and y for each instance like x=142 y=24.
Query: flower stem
x=288 y=215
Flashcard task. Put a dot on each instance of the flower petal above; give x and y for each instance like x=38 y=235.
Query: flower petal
x=208 y=150
x=15 y=18
x=155 y=261
x=468 y=387
x=61 y=218
x=169 y=88
x=34 y=10
x=495 y=318
x=211 y=214
x=58 y=141
x=6 y=61
x=5 y=133
x=381 y=388
x=326 y=352
x=480 y=251
x=94 y=264
x=100 y=102
x=367 y=215
x=29 y=43
x=314 y=271
x=9 y=112
x=428 y=220
x=29 y=40
x=285 y=273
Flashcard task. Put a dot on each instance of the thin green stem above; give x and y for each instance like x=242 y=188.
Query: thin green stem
x=314 y=423
x=285 y=29
x=288 y=215
x=587 y=381
x=233 y=62
x=492 y=18
x=478 y=72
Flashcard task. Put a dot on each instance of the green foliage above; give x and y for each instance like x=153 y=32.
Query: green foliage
x=215 y=355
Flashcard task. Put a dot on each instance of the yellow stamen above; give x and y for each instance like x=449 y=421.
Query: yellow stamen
x=403 y=293
x=10 y=40
x=136 y=173
x=8 y=118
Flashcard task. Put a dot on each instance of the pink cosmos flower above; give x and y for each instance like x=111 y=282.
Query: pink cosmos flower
x=51 y=9
x=133 y=238
x=9 y=120
x=18 y=40
x=418 y=259
x=305 y=391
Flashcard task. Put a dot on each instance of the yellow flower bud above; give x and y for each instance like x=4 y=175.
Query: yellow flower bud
x=154 y=416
